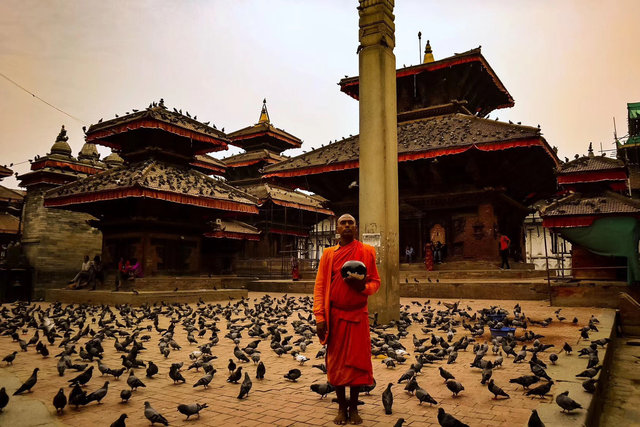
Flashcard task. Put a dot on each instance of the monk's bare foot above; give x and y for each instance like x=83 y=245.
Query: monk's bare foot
x=354 y=417
x=341 y=418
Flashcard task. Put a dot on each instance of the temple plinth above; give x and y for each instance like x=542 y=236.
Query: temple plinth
x=379 y=150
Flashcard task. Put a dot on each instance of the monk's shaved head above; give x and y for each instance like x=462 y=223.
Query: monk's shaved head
x=346 y=216
x=347 y=228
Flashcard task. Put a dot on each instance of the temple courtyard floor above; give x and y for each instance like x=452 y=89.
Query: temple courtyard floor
x=280 y=402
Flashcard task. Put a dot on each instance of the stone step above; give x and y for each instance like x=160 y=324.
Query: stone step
x=83 y=296
x=182 y=283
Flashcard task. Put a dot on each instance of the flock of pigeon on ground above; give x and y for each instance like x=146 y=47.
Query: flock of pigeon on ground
x=286 y=325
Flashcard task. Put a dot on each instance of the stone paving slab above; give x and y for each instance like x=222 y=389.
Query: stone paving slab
x=279 y=402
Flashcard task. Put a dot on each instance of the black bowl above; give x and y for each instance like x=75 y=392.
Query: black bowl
x=353 y=269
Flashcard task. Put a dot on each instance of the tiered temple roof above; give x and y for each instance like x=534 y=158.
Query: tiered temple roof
x=60 y=167
x=580 y=210
x=156 y=180
x=591 y=169
x=263 y=135
x=285 y=197
x=466 y=76
x=420 y=139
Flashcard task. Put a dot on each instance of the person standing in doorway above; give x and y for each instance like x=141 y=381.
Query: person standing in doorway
x=504 y=244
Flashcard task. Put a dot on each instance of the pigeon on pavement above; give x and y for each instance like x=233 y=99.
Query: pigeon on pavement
x=322 y=389
x=387 y=399
x=29 y=383
x=4 y=398
x=293 y=375
x=534 y=419
x=245 y=386
x=566 y=403
x=541 y=390
x=193 y=409
x=448 y=420
x=423 y=396
x=455 y=387
x=153 y=415
x=59 y=401
x=120 y=421
x=497 y=391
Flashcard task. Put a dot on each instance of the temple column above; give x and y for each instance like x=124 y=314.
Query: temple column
x=378 y=182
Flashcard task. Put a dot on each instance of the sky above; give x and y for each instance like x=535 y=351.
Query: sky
x=571 y=66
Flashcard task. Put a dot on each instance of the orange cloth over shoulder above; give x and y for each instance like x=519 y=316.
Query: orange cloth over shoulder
x=345 y=312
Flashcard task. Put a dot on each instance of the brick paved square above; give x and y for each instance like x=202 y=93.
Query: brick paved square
x=274 y=400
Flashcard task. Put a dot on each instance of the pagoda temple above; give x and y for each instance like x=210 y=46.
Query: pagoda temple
x=10 y=210
x=463 y=178
x=595 y=213
x=54 y=241
x=286 y=216
x=159 y=207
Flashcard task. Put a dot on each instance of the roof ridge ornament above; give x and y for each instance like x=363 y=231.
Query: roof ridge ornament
x=591 y=149
x=428 y=54
x=264 y=114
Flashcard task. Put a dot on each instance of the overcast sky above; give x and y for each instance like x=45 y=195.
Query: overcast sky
x=571 y=66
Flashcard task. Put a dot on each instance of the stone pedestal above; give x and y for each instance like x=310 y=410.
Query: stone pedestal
x=378 y=217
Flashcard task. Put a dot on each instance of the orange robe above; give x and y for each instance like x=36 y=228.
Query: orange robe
x=346 y=314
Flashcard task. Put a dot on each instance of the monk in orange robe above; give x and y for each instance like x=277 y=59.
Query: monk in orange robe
x=342 y=317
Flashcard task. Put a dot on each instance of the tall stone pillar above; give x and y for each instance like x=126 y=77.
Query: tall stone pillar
x=379 y=150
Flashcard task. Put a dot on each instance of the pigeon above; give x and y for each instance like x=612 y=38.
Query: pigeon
x=322 y=389
x=231 y=366
x=525 y=381
x=486 y=375
x=9 y=358
x=175 y=375
x=387 y=399
x=235 y=376
x=125 y=395
x=240 y=355
x=497 y=391
x=204 y=381
x=567 y=348
x=399 y=422
x=4 y=398
x=448 y=420
x=260 y=371
x=566 y=403
x=153 y=415
x=407 y=376
x=77 y=396
x=367 y=389
x=152 y=369
x=412 y=385
x=120 y=421
x=29 y=383
x=541 y=390
x=539 y=371
x=59 y=401
x=589 y=373
x=446 y=375
x=193 y=409
x=553 y=358
x=455 y=387
x=534 y=419
x=423 y=396
x=293 y=375
x=99 y=394
x=134 y=382
x=83 y=378
x=245 y=386
x=589 y=385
